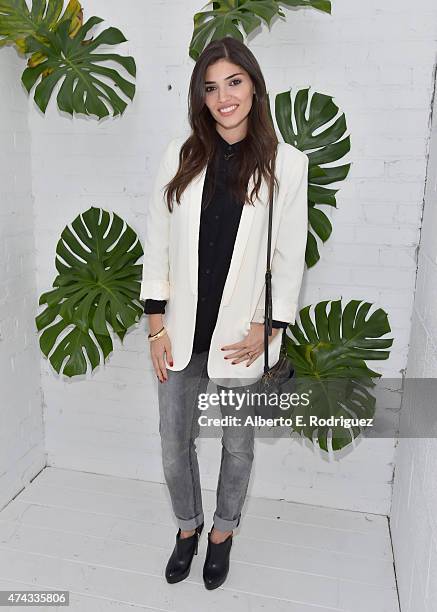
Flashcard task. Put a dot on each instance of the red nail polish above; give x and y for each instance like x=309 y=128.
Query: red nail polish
x=171 y=363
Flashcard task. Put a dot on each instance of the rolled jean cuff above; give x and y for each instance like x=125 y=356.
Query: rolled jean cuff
x=189 y=524
x=224 y=525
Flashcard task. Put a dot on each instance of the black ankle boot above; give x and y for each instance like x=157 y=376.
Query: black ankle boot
x=216 y=565
x=179 y=564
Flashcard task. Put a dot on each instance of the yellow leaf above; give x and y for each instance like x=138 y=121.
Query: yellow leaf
x=47 y=72
x=20 y=43
x=73 y=9
x=76 y=24
x=35 y=59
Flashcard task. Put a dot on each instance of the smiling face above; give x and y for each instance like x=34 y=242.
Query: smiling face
x=229 y=96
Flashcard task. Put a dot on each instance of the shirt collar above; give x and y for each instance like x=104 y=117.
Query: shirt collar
x=225 y=146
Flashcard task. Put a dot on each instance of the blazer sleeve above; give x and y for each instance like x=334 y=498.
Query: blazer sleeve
x=155 y=277
x=288 y=259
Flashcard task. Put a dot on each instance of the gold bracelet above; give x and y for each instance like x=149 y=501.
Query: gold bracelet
x=159 y=330
x=161 y=333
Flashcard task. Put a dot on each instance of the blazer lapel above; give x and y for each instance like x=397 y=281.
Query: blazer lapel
x=194 y=202
x=241 y=239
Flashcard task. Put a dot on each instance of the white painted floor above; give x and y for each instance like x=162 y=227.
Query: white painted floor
x=107 y=541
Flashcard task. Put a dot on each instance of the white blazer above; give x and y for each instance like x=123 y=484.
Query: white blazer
x=170 y=264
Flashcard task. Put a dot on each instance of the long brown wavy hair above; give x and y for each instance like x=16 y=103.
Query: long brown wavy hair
x=257 y=151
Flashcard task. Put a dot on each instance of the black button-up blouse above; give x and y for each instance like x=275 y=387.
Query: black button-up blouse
x=219 y=222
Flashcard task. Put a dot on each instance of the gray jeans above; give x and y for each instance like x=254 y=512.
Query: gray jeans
x=179 y=427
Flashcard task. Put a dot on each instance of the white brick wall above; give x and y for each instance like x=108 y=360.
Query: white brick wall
x=413 y=514
x=21 y=431
x=377 y=61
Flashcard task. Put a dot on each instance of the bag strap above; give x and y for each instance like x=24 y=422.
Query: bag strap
x=268 y=291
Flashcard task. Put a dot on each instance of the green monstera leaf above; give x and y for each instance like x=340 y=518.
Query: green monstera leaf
x=74 y=61
x=98 y=284
x=17 y=22
x=336 y=407
x=329 y=359
x=229 y=17
x=326 y=146
x=338 y=343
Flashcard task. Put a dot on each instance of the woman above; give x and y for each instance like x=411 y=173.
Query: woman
x=204 y=268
